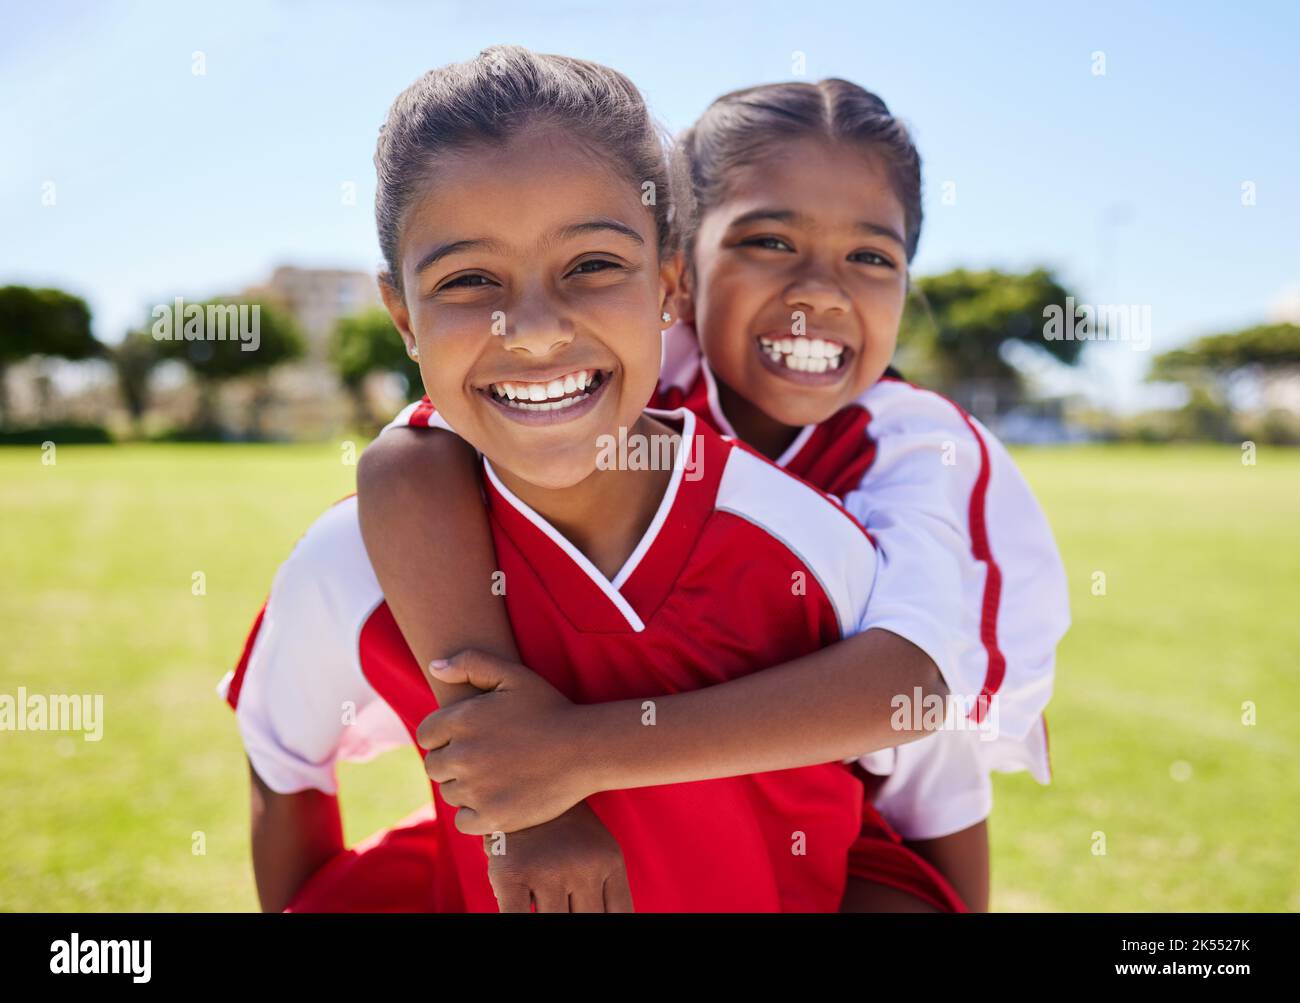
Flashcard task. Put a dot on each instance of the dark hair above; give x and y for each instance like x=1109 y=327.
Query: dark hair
x=492 y=97
x=740 y=128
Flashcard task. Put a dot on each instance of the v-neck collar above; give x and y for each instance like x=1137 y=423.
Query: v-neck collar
x=592 y=602
x=721 y=420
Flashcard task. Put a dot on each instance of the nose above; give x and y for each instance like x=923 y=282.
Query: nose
x=533 y=325
x=815 y=290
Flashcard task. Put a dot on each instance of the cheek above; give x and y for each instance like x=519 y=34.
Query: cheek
x=447 y=356
x=641 y=370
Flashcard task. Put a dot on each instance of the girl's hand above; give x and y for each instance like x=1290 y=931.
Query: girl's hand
x=508 y=758
x=570 y=864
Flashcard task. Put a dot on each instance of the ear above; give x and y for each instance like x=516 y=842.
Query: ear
x=395 y=304
x=669 y=281
x=682 y=303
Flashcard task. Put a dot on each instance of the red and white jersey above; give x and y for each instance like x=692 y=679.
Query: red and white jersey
x=969 y=572
x=743 y=567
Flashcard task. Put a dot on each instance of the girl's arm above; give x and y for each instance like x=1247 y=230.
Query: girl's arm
x=293 y=836
x=834 y=704
x=422 y=518
x=547 y=753
x=426 y=531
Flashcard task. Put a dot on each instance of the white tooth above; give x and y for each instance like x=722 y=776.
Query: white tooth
x=555 y=388
x=536 y=392
x=581 y=379
x=787 y=345
x=570 y=384
x=819 y=365
x=567 y=402
x=510 y=390
x=817 y=348
x=775 y=354
x=801 y=348
x=793 y=362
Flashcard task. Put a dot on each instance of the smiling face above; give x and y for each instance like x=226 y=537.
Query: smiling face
x=799 y=281
x=533 y=289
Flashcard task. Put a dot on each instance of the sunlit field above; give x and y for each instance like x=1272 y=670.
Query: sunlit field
x=1155 y=758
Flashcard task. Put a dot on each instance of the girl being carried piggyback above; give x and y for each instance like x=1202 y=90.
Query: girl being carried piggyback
x=633 y=766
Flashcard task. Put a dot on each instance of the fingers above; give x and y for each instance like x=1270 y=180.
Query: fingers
x=587 y=898
x=477 y=668
x=469 y=821
x=453 y=793
x=438 y=766
x=513 y=897
x=617 y=893
x=435 y=730
x=551 y=899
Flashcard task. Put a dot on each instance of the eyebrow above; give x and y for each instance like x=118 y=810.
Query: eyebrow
x=455 y=247
x=799 y=219
x=563 y=233
x=597 y=225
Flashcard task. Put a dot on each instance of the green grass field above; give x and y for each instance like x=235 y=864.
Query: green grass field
x=1198 y=809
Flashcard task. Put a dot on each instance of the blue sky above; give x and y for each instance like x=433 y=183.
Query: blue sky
x=1129 y=183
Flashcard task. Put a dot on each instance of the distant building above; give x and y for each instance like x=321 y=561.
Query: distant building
x=317 y=298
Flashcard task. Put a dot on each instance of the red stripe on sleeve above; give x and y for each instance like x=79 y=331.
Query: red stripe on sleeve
x=422 y=413
x=236 y=684
x=997 y=667
x=997 y=662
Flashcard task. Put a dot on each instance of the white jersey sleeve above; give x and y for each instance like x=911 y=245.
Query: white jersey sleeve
x=938 y=785
x=300 y=699
x=419 y=414
x=968 y=570
x=914 y=500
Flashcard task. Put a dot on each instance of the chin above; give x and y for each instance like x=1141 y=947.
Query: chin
x=803 y=412
x=558 y=473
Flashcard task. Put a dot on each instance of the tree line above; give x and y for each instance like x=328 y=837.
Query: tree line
x=954 y=335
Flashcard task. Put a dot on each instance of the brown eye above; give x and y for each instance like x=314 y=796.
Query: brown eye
x=768 y=243
x=592 y=266
x=871 y=258
x=467 y=282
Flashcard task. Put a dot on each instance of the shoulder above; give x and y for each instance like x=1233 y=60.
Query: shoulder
x=329 y=572
x=803 y=521
x=418 y=414
x=899 y=407
x=923 y=441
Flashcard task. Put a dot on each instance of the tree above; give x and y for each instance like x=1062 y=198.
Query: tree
x=366 y=343
x=954 y=331
x=223 y=339
x=1212 y=365
x=134 y=359
x=1255 y=350
x=42 y=322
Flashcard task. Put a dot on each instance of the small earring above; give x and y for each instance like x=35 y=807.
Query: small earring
x=412 y=351
x=665 y=317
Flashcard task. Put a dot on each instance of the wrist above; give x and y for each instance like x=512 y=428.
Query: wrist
x=601 y=745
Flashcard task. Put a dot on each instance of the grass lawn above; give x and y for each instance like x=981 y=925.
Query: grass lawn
x=1201 y=557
